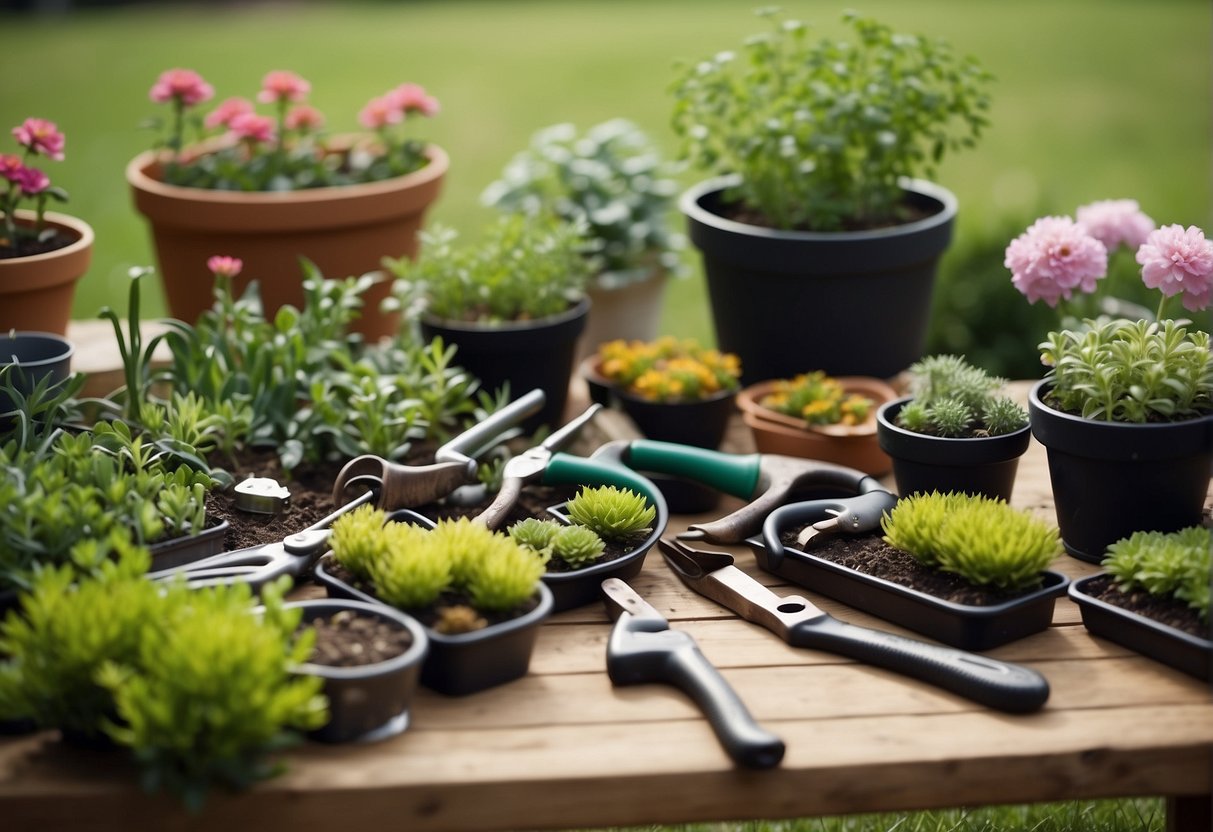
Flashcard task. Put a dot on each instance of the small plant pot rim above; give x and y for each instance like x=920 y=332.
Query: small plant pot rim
x=186 y=548
x=414 y=654
x=579 y=587
x=898 y=442
x=691 y=204
x=749 y=398
x=30 y=262
x=52 y=347
x=1126 y=441
x=479 y=328
x=594 y=377
x=1176 y=648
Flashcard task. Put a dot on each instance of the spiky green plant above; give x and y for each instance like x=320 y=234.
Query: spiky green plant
x=1175 y=564
x=613 y=513
x=414 y=568
x=357 y=540
x=983 y=540
x=953 y=398
x=577 y=546
x=505 y=574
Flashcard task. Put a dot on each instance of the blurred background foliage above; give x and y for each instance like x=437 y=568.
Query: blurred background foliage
x=1095 y=99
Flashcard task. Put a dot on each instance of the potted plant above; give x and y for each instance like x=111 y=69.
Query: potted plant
x=42 y=253
x=1126 y=408
x=954 y=432
x=512 y=304
x=30 y=358
x=818 y=244
x=273 y=189
x=1153 y=597
x=817 y=416
x=478 y=593
x=966 y=570
x=674 y=390
x=612 y=178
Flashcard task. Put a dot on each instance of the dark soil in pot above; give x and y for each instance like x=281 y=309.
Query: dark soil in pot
x=27 y=247
x=1163 y=610
x=347 y=639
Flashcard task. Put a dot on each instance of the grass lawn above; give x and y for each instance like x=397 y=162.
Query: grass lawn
x=1095 y=98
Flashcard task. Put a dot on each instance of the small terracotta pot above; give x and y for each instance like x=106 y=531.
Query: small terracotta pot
x=36 y=292
x=345 y=230
x=854 y=446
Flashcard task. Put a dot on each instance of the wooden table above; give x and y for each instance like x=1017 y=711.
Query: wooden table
x=561 y=748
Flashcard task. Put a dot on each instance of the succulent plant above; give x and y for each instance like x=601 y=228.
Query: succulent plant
x=414 y=569
x=535 y=533
x=1175 y=564
x=613 y=513
x=953 y=398
x=577 y=546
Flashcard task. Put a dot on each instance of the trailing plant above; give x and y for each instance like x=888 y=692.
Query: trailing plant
x=1174 y=565
x=36 y=137
x=288 y=150
x=821 y=132
x=983 y=540
x=668 y=369
x=577 y=546
x=612 y=513
x=953 y=398
x=612 y=179
x=524 y=268
x=1130 y=371
x=818 y=399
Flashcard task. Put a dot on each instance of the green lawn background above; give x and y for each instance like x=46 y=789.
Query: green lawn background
x=1094 y=98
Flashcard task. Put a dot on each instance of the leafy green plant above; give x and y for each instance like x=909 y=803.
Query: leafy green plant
x=1172 y=564
x=524 y=268
x=612 y=179
x=953 y=398
x=577 y=546
x=983 y=540
x=612 y=513
x=818 y=399
x=1130 y=371
x=821 y=132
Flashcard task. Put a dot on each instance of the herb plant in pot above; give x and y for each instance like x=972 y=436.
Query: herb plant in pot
x=955 y=432
x=1126 y=410
x=674 y=390
x=43 y=254
x=272 y=189
x=969 y=571
x=817 y=416
x=818 y=244
x=612 y=178
x=1153 y=597
x=512 y=304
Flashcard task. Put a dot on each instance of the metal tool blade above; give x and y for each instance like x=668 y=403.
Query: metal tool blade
x=621 y=598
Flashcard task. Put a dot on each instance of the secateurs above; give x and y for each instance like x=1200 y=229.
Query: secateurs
x=795 y=619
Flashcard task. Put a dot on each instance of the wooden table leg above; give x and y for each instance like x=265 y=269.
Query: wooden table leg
x=1190 y=813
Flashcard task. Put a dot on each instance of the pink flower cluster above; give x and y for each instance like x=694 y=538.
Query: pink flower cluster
x=393 y=106
x=1058 y=256
x=184 y=87
x=38 y=137
x=224 y=266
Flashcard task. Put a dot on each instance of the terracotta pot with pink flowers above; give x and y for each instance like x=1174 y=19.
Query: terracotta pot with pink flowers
x=42 y=254
x=272 y=189
x=1126 y=412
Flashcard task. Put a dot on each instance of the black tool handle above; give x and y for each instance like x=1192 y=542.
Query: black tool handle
x=1002 y=685
x=745 y=741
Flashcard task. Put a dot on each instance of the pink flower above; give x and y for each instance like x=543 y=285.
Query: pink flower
x=41 y=136
x=1175 y=260
x=1116 y=221
x=251 y=127
x=412 y=98
x=11 y=167
x=281 y=85
x=304 y=117
x=228 y=109
x=380 y=112
x=33 y=181
x=1054 y=257
x=182 y=85
x=222 y=266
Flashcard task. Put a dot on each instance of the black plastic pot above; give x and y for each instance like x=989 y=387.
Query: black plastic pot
x=584 y=586
x=1111 y=479
x=966 y=626
x=468 y=662
x=169 y=554
x=849 y=302
x=370 y=702
x=526 y=355
x=1154 y=639
x=923 y=463
x=31 y=357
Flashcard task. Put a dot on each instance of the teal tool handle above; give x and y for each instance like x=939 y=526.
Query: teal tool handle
x=730 y=473
x=577 y=470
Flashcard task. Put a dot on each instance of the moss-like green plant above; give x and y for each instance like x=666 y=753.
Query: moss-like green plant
x=505 y=574
x=414 y=568
x=357 y=539
x=1175 y=565
x=953 y=398
x=613 y=513
x=983 y=540
x=535 y=533
x=577 y=546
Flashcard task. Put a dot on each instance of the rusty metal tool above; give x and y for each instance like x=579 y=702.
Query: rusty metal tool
x=794 y=618
x=643 y=649
x=767 y=481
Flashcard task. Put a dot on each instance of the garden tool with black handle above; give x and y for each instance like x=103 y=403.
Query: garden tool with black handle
x=766 y=481
x=794 y=618
x=643 y=649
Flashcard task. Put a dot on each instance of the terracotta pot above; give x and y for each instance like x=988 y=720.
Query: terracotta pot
x=631 y=312
x=36 y=291
x=345 y=230
x=854 y=446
